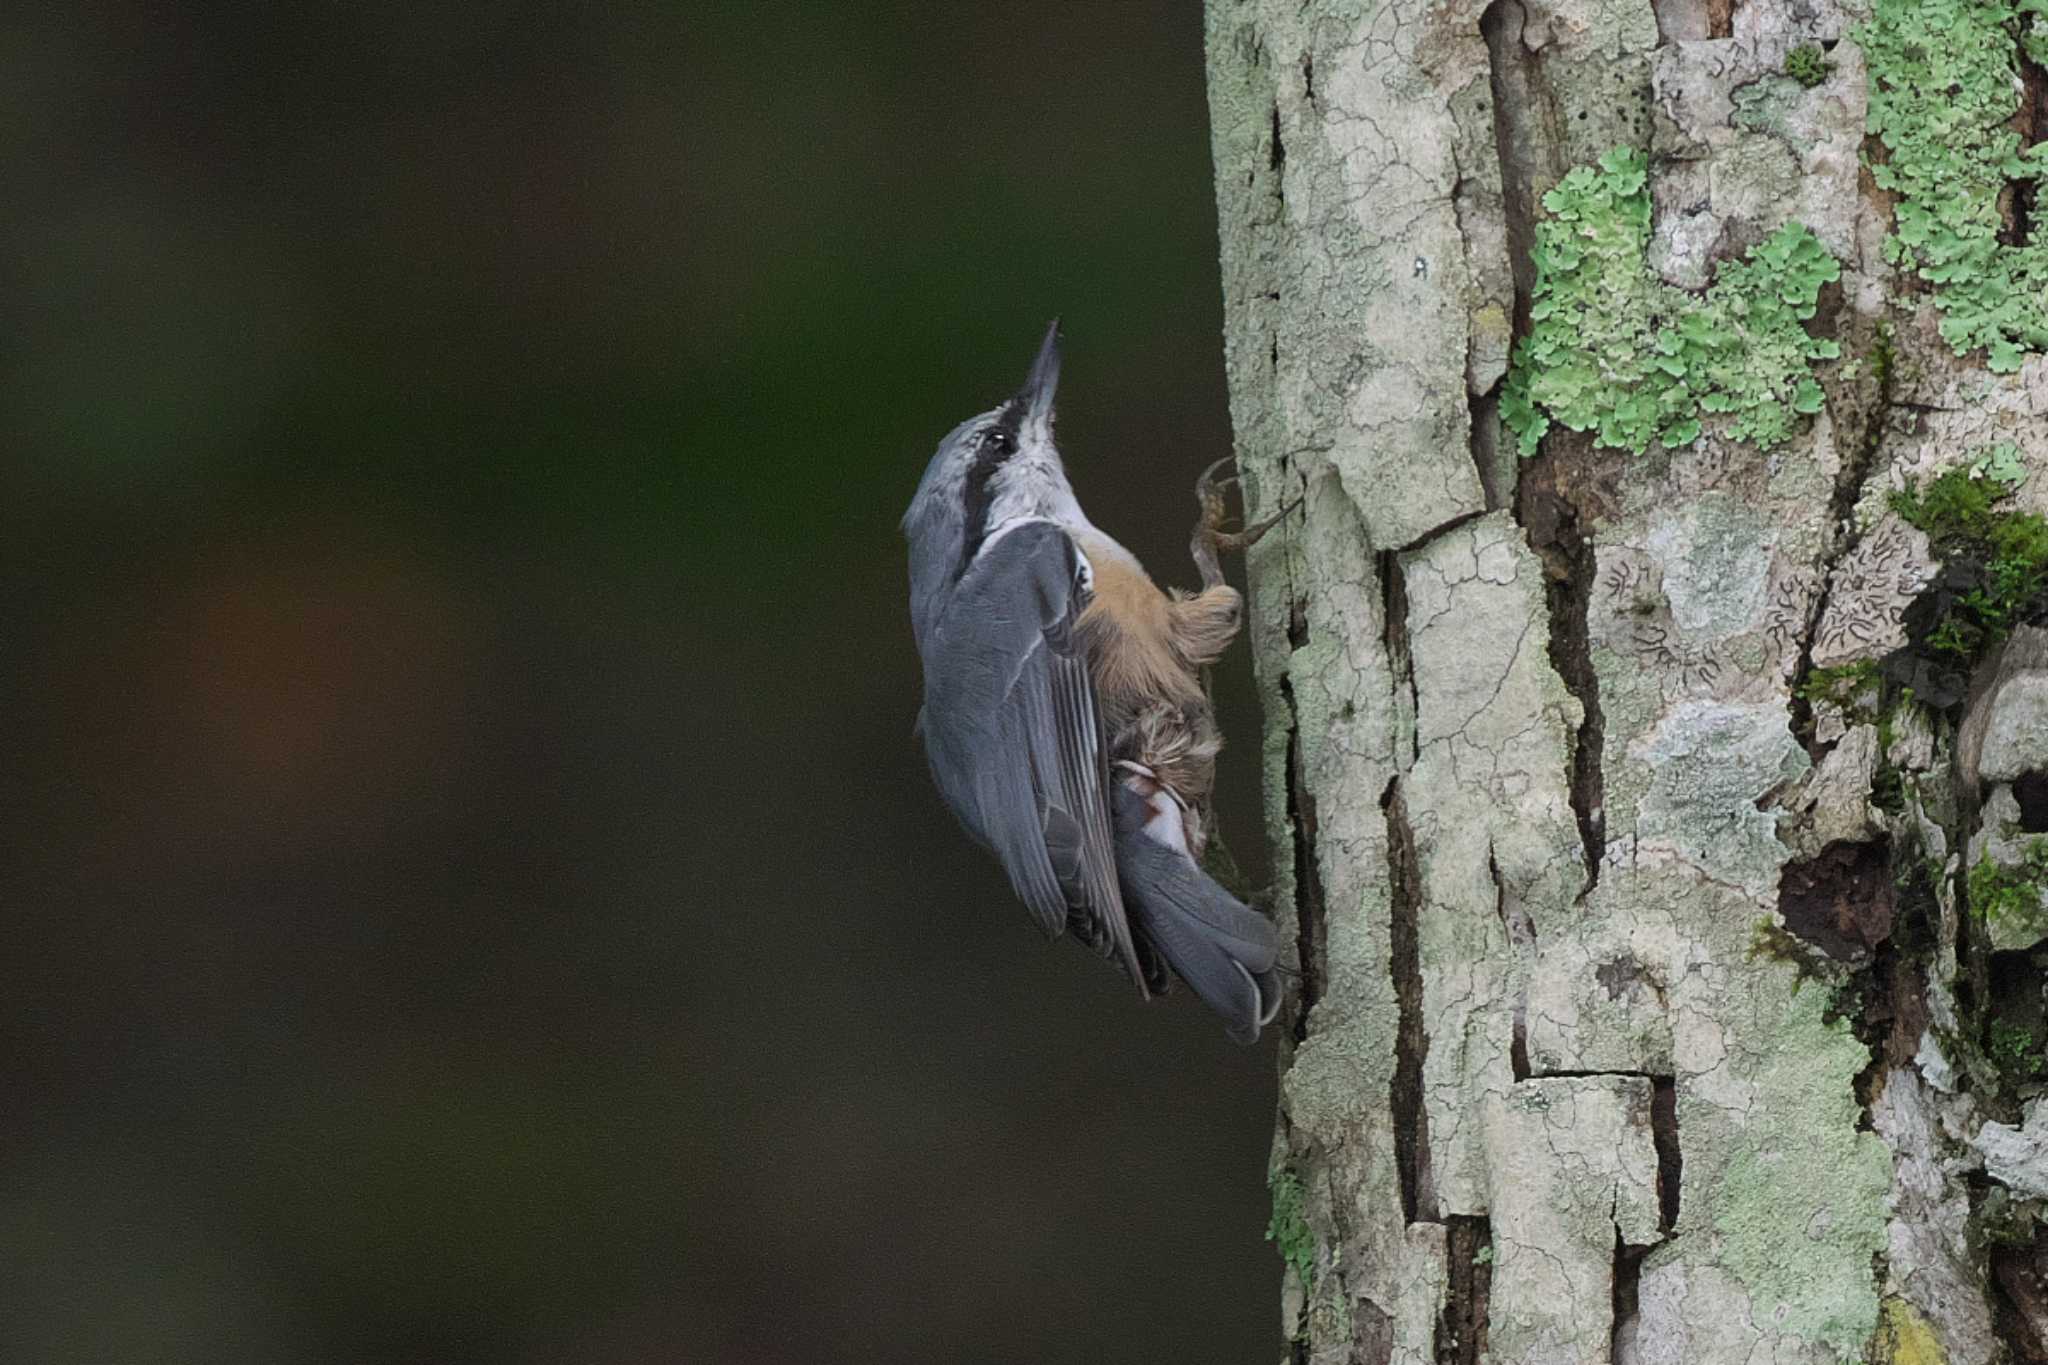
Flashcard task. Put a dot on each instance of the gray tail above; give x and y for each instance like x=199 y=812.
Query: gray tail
x=1221 y=947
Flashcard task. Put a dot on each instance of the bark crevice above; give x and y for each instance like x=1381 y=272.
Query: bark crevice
x=1626 y=1298
x=1461 y=1328
x=1844 y=535
x=2033 y=127
x=1372 y=1333
x=1520 y=932
x=1485 y=438
x=1411 y=1039
x=1525 y=140
x=1520 y=112
x=2020 y=1274
x=1547 y=513
x=1440 y=530
x=1308 y=879
x=1670 y=1159
x=1400 y=654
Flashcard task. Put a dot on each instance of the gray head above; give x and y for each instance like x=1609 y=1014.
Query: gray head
x=994 y=466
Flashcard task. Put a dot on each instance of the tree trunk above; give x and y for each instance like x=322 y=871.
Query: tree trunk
x=1651 y=759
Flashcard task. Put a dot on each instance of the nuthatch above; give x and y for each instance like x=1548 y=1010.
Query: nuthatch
x=1064 y=716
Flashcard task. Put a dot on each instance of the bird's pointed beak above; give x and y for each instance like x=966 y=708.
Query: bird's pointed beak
x=1039 y=388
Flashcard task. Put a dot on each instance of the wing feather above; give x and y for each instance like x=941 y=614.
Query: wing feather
x=1083 y=778
x=1226 y=951
x=1014 y=734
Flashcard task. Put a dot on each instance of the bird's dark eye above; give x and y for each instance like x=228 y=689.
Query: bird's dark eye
x=993 y=439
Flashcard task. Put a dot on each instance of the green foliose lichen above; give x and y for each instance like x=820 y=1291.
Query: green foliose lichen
x=1288 y=1228
x=1616 y=351
x=2001 y=461
x=1944 y=87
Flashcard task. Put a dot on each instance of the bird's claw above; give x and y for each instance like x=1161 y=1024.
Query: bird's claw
x=1211 y=540
x=1231 y=541
x=1216 y=512
x=1208 y=487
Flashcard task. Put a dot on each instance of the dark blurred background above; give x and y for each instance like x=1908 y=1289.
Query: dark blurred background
x=474 y=896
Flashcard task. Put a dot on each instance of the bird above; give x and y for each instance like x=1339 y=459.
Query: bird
x=1064 y=718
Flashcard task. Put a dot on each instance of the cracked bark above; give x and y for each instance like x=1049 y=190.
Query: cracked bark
x=1539 y=772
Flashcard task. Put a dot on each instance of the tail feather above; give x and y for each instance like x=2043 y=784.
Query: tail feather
x=1222 y=948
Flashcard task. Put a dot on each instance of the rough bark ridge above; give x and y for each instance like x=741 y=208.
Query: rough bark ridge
x=1548 y=739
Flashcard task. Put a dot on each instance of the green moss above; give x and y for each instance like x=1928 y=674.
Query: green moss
x=1807 y=65
x=1859 y=690
x=1288 y=1229
x=1995 y=572
x=1957 y=507
x=1944 y=88
x=2013 y=1049
x=1771 y=941
x=2001 y=1220
x=2011 y=895
x=1884 y=357
x=1615 y=351
x=1841 y=684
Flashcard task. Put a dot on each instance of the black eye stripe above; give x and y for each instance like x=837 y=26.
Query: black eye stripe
x=992 y=445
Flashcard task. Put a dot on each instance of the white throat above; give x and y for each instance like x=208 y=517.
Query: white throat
x=1033 y=487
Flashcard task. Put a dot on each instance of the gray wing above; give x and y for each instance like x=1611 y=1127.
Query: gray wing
x=1014 y=733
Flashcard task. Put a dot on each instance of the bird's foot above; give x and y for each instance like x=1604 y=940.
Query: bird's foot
x=1211 y=540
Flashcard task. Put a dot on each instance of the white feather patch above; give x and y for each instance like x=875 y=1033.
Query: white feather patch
x=1166 y=813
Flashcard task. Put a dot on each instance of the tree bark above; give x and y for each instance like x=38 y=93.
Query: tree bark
x=1644 y=1011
